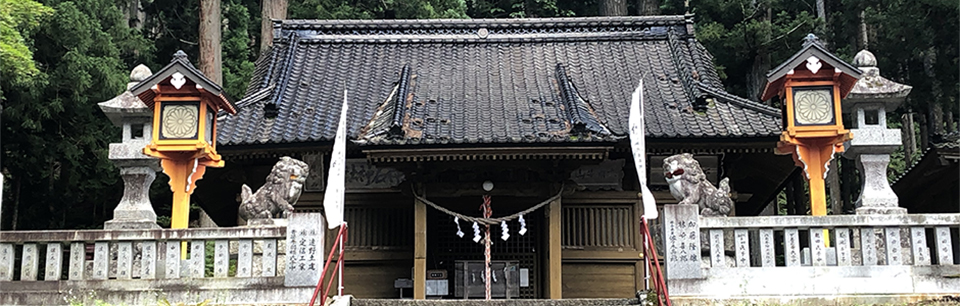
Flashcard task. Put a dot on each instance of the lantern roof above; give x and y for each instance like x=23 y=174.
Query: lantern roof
x=127 y=106
x=873 y=88
x=180 y=64
x=812 y=48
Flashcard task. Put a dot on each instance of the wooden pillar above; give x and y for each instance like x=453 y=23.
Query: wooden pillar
x=640 y=266
x=554 y=285
x=420 y=250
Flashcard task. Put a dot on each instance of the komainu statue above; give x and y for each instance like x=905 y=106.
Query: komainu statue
x=689 y=185
x=276 y=197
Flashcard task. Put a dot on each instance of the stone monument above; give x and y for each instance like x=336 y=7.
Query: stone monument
x=869 y=100
x=137 y=170
x=305 y=260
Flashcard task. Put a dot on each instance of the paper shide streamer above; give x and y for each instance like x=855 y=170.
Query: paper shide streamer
x=476 y=232
x=457 y=221
x=505 y=230
x=523 y=226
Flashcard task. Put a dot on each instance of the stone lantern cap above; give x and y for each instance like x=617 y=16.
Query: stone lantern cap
x=127 y=107
x=873 y=88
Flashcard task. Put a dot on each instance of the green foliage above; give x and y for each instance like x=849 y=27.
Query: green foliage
x=529 y=8
x=238 y=48
x=377 y=9
x=54 y=135
x=18 y=20
x=742 y=34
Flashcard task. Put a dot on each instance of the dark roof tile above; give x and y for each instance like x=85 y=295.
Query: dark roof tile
x=502 y=88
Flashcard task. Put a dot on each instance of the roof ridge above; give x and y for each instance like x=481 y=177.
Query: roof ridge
x=579 y=112
x=684 y=61
x=489 y=22
x=739 y=101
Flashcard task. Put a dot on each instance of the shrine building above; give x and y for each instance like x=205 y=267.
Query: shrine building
x=537 y=107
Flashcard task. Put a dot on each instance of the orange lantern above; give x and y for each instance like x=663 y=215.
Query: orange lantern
x=185 y=105
x=811 y=84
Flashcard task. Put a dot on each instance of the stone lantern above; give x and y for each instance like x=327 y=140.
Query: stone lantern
x=872 y=96
x=137 y=169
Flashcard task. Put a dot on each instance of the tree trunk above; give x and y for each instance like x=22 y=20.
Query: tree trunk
x=822 y=10
x=16 y=204
x=848 y=179
x=936 y=118
x=613 y=7
x=791 y=202
x=833 y=181
x=951 y=124
x=909 y=138
x=272 y=9
x=864 y=38
x=210 y=52
x=799 y=195
x=648 y=7
x=757 y=79
x=134 y=14
x=934 y=109
x=924 y=133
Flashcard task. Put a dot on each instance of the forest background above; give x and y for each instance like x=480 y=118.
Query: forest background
x=58 y=58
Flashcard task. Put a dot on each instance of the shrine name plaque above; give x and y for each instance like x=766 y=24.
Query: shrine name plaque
x=681 y=236
x=304 y=249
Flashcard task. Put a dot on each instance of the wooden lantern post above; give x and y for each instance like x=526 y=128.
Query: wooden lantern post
x=810 y=85
x=185 y=105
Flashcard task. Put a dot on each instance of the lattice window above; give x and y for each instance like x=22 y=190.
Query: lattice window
x=594 y=226
x=379 y=227
x=445 y=248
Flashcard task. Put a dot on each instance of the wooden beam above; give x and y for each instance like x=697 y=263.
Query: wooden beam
x=554 y=251
x=420 y=250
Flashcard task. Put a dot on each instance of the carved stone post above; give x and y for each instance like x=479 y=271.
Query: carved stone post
x=872 y=141
x=137 y=170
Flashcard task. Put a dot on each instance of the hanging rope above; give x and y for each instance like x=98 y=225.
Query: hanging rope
x=487 y=221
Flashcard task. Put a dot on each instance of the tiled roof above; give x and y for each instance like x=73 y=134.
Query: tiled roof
x=488 y=81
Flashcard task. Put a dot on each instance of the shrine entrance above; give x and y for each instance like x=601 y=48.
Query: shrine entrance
x=446 y=251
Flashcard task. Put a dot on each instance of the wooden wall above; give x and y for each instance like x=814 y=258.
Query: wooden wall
x=599 y=280
x=600 y=243
x=379 y=246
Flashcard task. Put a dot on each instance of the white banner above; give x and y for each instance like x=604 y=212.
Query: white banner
x=639 y=147
x=333 y=197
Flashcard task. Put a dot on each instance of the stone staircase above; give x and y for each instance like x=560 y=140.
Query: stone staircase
x=516 y=302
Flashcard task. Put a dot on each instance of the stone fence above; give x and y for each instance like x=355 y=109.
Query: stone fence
x=242 y=265
x=854 y=258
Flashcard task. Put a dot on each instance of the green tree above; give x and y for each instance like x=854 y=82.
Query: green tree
x=377 y=9
x=18 y=20
x=54 y=135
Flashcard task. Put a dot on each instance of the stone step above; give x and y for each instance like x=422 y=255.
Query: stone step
x=513 y=302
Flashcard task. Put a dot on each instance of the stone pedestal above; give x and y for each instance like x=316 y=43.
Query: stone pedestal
x=135 y=210
x=876 y=196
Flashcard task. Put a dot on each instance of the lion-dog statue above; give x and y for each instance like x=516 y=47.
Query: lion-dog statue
x=689 y=185
x=276 y=197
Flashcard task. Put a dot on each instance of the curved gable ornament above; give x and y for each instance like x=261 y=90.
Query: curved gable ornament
x=813 y=64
